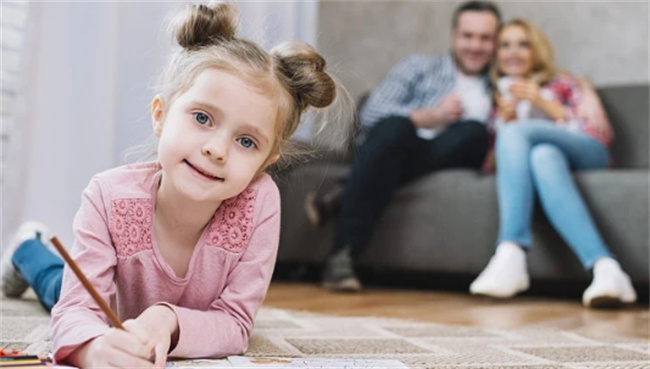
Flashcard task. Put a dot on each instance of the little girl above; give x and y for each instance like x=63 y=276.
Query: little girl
x=536 y=155
x=183 y=248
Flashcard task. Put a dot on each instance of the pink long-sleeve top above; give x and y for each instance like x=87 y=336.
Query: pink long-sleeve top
x=114 y=244
x=565 y=90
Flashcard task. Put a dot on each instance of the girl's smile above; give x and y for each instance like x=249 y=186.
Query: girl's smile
x=202 y=173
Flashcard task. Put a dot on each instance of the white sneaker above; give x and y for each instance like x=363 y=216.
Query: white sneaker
x=611 y=286
x=11 y=281
x=505 y=275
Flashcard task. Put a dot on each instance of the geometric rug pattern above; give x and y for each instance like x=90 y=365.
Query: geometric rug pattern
x=285 y=333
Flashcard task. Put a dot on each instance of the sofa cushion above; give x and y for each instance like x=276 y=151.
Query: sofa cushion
x=448 y=222
x=627 y=108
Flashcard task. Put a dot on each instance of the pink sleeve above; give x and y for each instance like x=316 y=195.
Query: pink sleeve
x=225 y=328
x=76 y=318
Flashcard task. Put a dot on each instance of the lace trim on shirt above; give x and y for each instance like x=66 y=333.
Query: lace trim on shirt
x=131 y=220
x=232 y=226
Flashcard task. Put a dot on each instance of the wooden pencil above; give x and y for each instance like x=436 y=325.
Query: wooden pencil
x=89 y=287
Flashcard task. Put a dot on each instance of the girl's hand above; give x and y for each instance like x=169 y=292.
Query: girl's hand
x=506 y=108
x=116 y=349
x=156 y=325
x=525 y=89
x=147 y=337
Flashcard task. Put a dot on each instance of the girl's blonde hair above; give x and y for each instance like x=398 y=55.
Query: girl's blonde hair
x=293 y=72
x=542 y=53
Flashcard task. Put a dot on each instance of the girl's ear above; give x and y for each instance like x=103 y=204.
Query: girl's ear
x=272 y=159
x=157 y=115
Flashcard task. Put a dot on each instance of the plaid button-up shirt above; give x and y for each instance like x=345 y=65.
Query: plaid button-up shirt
x=417 y=81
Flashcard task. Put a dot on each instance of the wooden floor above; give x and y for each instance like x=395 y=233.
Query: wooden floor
x=462 y=309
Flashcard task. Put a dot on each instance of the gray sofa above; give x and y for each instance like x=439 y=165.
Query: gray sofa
x=446 y=223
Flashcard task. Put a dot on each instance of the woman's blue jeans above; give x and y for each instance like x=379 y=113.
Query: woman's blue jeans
x=537 y=158
x=42 y=269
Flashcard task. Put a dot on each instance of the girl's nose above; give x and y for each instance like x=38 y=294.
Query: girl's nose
x=217 y=149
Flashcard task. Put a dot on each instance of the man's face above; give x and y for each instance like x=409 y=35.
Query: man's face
x=473 y=40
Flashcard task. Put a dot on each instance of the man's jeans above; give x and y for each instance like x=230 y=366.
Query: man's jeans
x=391 y=156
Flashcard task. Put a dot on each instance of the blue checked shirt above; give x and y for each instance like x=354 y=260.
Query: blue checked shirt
x=416 y=82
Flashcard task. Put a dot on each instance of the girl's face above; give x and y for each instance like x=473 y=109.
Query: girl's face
x=514 y=53
x=215 y=137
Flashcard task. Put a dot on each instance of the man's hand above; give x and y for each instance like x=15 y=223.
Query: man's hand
x=448 y=111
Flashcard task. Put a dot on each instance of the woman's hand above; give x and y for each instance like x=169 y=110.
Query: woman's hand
x=490 y=163
x=506 y=108
x=526 y=89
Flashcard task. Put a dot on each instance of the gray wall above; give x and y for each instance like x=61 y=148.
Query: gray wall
x=606 y=41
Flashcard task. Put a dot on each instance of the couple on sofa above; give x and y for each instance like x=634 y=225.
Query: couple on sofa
x=497 y=88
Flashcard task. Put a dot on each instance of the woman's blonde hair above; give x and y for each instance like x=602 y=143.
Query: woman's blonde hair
x=542 y=53
x=293 y=72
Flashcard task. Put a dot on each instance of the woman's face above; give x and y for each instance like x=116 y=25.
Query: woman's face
x=514 y=53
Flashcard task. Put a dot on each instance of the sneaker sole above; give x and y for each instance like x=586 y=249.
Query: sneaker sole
x=502 y=296
x=496 y=297
x=347 y=285
x=606 y=302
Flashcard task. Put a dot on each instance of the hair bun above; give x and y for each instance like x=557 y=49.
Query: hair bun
x=304 y=67
x=205 y=25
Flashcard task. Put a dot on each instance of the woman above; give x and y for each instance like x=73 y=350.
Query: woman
x=541 y=141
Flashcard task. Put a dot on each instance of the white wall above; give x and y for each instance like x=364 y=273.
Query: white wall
x=606 y=40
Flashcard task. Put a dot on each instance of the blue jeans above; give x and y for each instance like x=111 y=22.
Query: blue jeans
x=537 y=157
x=42 y=269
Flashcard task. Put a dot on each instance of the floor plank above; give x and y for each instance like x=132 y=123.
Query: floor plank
x=462 y=309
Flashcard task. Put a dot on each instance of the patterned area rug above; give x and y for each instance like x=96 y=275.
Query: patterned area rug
x=283 y=333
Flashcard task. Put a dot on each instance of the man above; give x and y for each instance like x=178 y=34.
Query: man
x=429 y=113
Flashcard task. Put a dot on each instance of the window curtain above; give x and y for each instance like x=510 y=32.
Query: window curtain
x=14 y=67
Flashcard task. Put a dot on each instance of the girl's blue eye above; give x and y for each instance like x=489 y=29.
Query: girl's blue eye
x=201 y=118
x=246 y=142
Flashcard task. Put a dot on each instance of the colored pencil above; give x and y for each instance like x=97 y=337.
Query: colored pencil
x=89 y=287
